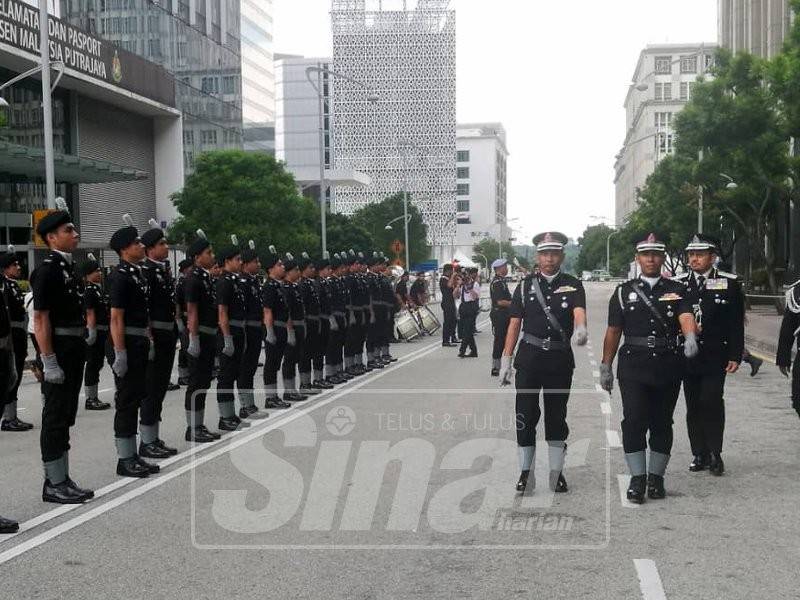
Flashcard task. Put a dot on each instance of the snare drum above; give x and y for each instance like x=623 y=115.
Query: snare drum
x=406 y=326
x=429 y=321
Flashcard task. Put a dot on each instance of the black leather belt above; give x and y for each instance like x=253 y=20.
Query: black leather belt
x=649 y=342
x=546 y=345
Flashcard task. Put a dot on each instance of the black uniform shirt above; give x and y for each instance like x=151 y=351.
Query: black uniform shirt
x=129 y=292
x=418 y=290
x=231 y=294
x=387 y=292
x=252 y=297
x=180 y=295
x=274 y=299
x=5 y=322
x=718 y=306
x=325 y=293
x=401 y=289
x=309 y=296
x=55 y=289
x=297 y=310
x=447 y=292
x=499 y=291
x=162 y=290
x=15 y=299
x=199 y=289
x=97 y=300
x=790 y=327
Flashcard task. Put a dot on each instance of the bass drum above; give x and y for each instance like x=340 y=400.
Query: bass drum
x=406 y=326
x=429 y=321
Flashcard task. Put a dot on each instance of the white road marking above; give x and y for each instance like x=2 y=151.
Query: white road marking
x=595 y=373
x=649 y=579
x=623 y=481
x=591 y=354
x=613 y=439
x=593 y=363
x=605 y=408
x=161 y=479
x=599 y=388
x=103 y=391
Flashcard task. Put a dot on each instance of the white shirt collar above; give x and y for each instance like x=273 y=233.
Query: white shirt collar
x=65 y=255
x=706 y=274
x=550 y=278
x=651 y=281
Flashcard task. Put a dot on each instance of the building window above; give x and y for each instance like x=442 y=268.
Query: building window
x=688 y=64
x=686 y=90
x=463 y=189
x=462 y=156
x=188 y=137
x=663 y=65
x=229 y=85
x=663 y=92
x=462 y=173
x=663 y=120
x=210 y=85
x=464 y=220
x=462 y=206
x=209 y=136
x=665 y=143
x=709 y=61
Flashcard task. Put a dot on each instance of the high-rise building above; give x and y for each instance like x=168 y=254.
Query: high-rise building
x=404 y=137
x=755 y=26
x=660 y=87
x=258 y=76
x=197 y=41
x=481 y=184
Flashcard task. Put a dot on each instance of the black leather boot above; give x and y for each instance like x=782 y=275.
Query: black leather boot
x=8 y=525
x=699 y=463
x=62 y=493
x=716 y=466
x=130 y=467
x=636 y=489
x=523 y=481
x=655 y=487
x=557 y=483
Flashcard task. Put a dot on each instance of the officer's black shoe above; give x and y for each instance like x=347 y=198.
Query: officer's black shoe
x=495 y=372
x=213 y=434
x=655 y=487
x=367 y=368
x=461 y=355
x=173 y=386
x=199 y=436
x=294 y=397
x=557 y=483
x=228 y=424
x=152 y=468
x=715 y=465
x=153 y=450
x=755 y=365
x=8 y=525
x=447 y=345
x=523 y=481
x=96 y=404
x=321 y=384
x=243 y=413
x=15 y=425
x=76 y=488
x=373 y=364
x=699 y=463
x=171 y=451
x=62 y=494
x=239 y=422
x=346 y=375
x=184 y=381
x=636 y=489
x=471 y=355
x=130 y=467
x=276 y=402
x=308 y=390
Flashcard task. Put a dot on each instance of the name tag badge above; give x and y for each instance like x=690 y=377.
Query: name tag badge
x=565 y=289
x=633 y=297
x=671 y=297
x=717 y=284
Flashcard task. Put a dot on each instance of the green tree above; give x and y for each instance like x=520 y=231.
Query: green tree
x=374 y=218
x=343 y=234
x=490 y=248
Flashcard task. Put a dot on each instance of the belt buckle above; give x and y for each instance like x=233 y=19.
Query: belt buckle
x=651 y=341
x=546 y=344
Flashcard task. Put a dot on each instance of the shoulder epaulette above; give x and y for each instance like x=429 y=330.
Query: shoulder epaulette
x=794 y=284
x=792 y=300
x=681 y=277
x=727 y=275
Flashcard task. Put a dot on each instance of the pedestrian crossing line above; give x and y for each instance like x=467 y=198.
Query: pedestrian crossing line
x=623 y=480
x=613 y=439
x=218 y=448
x=605 y=408
x=649 y=579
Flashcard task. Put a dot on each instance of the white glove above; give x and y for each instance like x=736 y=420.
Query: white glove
x=91 y=336
x=181 y=326
x=227 y=348
x=581 y=335
x=151 y=353
x=506 y=370
x=272 y=339
x=120 y=366
x=12 y=371
x=334 y=323
x=690 y=347
x=52 y=372
x=606 y=377
x=291 y=338
x=193 y=349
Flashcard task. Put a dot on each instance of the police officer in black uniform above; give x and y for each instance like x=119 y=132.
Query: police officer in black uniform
x=60 y=329
x=788 y=341
x=201 y=328
x=163 y=325
x=313 y=311
x=97 y=306
x=390 y=302
x=254 y=333
x=7 y=372
x=276 y=324
x=718 y=305
x=501 y=301
x=446 y=286
x=548 y=308
x=376 y=315
x=651 y=312
x=15 y=302
x=334 y=287
x=184 y=269
x=129 y=347
x=322 y=285
x=296 y=333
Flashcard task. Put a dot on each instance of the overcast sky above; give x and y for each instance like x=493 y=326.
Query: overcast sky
x=555 y=73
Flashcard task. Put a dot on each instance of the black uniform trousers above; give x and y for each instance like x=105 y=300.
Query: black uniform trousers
x=354 y=340
x=230 y=366
x=293 y=355
x=183 y=357
x=61 y=400
x=318 y=357
x=250 y=356
x=336 y=339
x=274 y=357
x=310 y=346
x=468 y=314
x=5 y=376
x=131 y=389
x=796 y=383
x=19 y=340
x=95 y=356
x=375 y=330
x=648 y=406
x=705 y=411
x=159 y=373
x=449 y=322
x=554 y=387
x=200 y=373
x=500 y=321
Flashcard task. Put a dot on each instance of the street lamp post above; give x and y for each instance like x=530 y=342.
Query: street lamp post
x=608 y=250
x=323 y=192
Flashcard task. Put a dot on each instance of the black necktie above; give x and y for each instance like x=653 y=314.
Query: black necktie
x=701 y=282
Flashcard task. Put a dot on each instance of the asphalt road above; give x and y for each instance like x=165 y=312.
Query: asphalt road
x=401 y=485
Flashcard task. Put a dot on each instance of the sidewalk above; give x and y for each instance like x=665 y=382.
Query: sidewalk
x=761 y=331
